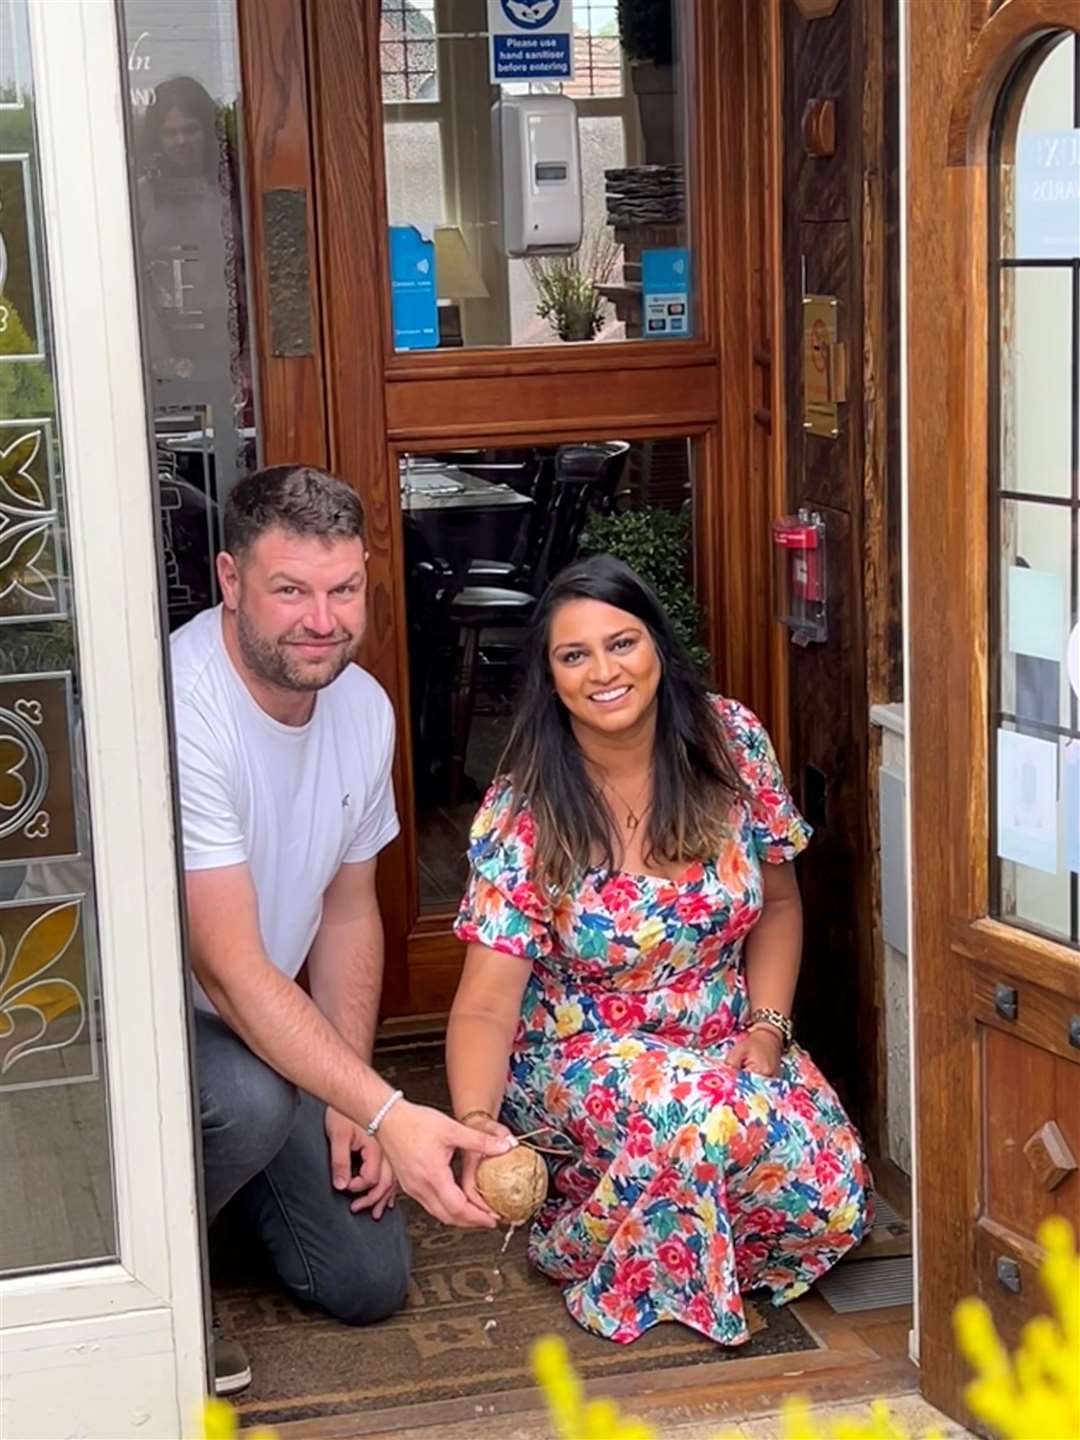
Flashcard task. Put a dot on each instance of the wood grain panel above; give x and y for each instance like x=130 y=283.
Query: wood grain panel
x=1023 y=1087
x=1042 y=1016
x=655 y=402
x=819 y=63
x=945 y=1083
x=292 y=418
x=344 y=45
x=947 y=437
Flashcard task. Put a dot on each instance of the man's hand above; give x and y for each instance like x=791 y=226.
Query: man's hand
x=758 y=1050
x=470 y=1160
x=420 y=1143
x=375 y=1184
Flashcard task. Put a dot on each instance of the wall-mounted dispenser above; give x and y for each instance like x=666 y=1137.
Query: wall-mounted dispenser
x=536 y=141
x=799 y=571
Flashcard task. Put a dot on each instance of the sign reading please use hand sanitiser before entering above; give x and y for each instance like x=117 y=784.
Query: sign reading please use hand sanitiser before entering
x=531 y=40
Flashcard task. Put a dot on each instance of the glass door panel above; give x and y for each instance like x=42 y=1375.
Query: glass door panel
x=484 y=530
x=188 y=196
x=57 y=1191
x=611 y=257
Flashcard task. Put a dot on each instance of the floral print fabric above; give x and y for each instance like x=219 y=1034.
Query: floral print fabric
x=690 y=1182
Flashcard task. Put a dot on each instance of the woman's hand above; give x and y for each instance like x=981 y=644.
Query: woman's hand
x=470 y=1162
x=757 y=1050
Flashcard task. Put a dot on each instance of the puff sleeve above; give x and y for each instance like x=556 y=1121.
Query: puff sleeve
x=503 y=907
x=777 y=831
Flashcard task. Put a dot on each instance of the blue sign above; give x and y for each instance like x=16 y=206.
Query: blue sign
x=1048 y=196
x=665 y=294
x=531 y=40
x=412 y=289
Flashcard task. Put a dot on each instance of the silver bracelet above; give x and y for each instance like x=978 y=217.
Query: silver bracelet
x=380 y=1114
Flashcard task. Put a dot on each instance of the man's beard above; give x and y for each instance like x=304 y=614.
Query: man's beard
x=269 y=660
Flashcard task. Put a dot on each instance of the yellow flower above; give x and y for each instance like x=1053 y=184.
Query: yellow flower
x=720 y=1125
x=219 y=1423
x=758 y=1107
x=569 y=1019
x=649 y=935
x=627 y=1048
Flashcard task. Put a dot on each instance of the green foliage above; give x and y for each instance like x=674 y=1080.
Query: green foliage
x=656 y=544
x=645 y=30
x=566 y=286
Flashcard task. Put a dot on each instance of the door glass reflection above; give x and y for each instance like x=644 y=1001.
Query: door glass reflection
x=484 y=531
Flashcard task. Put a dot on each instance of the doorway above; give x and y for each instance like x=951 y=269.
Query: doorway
x=506 y=415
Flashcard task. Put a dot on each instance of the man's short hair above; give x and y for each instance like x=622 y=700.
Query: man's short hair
x=298 y=498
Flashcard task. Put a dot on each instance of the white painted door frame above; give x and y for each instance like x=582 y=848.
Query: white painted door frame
x=114 y=1349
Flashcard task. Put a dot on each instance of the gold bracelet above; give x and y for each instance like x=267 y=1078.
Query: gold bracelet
x=471 y=1115
x=775 y=1019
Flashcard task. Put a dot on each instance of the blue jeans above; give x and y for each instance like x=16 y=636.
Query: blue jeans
x=265 y=1150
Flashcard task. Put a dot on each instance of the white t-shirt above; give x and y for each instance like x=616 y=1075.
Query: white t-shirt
x=293 y=802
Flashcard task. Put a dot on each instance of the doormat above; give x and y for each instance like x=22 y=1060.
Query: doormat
x=877 y=1285
x=471 y=1317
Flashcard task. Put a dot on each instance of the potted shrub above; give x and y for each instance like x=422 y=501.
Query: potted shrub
x=646 y=35
x=567 y=286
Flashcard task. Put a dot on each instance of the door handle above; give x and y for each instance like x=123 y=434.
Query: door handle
x=1074 y=1032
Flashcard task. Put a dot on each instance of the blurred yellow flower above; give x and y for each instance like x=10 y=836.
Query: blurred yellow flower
x=1032 y=1395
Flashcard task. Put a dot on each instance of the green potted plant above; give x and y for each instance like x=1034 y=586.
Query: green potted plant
x=656 y=544
x=647 y=38
x=567 y=286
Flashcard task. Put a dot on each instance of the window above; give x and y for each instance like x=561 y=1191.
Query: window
x=1035 y=499
x=629 y=277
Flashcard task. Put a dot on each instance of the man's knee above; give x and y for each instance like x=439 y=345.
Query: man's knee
x=371 y=1279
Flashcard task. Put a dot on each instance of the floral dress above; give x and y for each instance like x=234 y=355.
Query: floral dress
x=690 y=1182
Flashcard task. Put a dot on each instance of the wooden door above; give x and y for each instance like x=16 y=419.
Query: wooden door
x=716 y=391
x=993 y=314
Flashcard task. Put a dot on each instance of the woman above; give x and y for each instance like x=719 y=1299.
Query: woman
x=192 y=239
x=634 y=930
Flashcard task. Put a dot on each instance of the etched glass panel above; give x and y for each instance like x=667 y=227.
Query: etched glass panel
x=188 y=198
x=56 y=1182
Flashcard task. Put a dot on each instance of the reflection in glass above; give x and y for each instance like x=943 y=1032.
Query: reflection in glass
x=442 y=126
x=188 y=201
x=1035 y=749
x=484 y=531
x=57 y=1200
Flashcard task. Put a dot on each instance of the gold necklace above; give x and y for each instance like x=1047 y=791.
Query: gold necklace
x=633 y=819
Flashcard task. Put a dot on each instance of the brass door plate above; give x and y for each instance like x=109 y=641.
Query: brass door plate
x=824 y=366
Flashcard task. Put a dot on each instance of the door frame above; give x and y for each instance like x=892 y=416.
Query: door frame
x=140 y=1317
x=724 y=385
x=959 y=58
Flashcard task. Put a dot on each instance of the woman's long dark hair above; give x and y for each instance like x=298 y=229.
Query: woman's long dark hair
x=695 y=780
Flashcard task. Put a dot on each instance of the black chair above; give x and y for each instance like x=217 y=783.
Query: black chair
x=577 y=480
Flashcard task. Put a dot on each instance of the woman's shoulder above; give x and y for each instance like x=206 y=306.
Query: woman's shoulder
x=503 y=825
x=738 y=721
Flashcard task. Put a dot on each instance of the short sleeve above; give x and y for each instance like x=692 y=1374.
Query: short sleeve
x=503 y=907
x=777 y=831
x=378 y=823
x=212 y=833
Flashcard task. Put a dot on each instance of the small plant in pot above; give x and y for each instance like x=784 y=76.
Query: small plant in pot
x=567 y=286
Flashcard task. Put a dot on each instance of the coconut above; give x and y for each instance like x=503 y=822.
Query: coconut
x=514 y=1185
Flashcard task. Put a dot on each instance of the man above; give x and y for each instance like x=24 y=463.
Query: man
x=285 y=750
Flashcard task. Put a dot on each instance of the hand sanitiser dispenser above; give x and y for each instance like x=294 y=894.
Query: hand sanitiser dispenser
x=536 y=140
